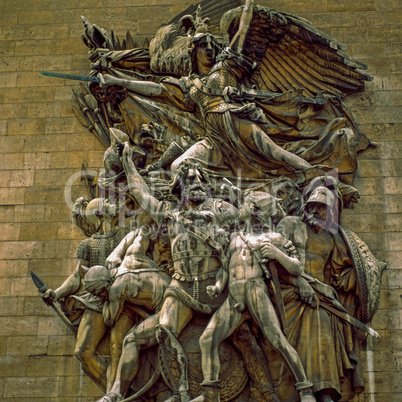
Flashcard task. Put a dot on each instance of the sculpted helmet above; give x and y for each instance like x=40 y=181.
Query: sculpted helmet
x=322 y=195
x=265 y=202
x=96 y=278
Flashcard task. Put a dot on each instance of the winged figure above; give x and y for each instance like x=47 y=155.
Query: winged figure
x=288 y=82
x=246 y=94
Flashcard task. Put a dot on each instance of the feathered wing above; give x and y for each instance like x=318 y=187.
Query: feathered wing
x=292 y=54
x=169 y=47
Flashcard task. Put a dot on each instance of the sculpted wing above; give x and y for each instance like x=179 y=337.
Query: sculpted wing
x=292 y=54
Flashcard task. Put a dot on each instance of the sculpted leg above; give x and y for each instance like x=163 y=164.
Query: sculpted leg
x=263 y=312
x=260 y=142
x=140 y=337
x=117 y=334
x=174 y=316
x=255 y=362
x=91 y=330
x=222 y=324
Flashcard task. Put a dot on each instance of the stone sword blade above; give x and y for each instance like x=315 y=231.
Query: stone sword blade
x=70 y=76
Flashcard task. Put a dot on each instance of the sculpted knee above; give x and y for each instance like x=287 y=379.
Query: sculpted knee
x=129 y=340
x=82 y=353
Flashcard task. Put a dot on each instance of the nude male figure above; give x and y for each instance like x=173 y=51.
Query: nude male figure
x=247 y=288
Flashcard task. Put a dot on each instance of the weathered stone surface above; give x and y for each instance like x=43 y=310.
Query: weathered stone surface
x=42 y=144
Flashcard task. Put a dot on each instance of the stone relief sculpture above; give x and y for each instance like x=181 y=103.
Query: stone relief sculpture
x=230 y=152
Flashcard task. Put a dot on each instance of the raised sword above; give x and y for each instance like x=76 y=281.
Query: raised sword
x=71 y=76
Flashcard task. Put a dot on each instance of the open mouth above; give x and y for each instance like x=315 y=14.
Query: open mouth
x=209 y=54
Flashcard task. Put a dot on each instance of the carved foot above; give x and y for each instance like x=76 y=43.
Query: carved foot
x=111 y=397
x=271 y=397
x=210 y=393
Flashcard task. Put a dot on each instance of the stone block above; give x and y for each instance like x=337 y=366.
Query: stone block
x=11 y=64
x=375 y=168
x=7 y=213
x=7 y=48
x=62 y=345
x=392 y=49
x=38 y=231
x=391 y=150
x=29 y=213
x=87 y=141
x=44 y=195
x=50 y=326
x=69 y=387
x=395 y=241
x=57 y=212
x=376 y=223
x=61 y=125
x=12 y=144
x=12 y=111
x=67 y=231
x=21 y=178
x=18 y=326
x=12 y=161
x=394 y=203
x=33 y=47
x=395 y=67
x=26 y=126
x=384 y=82
x=46 y=266
x=351 y=6
x=27 y=345
x=9 y=231
x=384 y=319
x=392 y=185
x=10 y=196
x=367 y=186
x=63 y=160
x=384 y=34
x=13 y=268
x=393 y=276
x=8 y=80
x=5 y=177
x=31 y=387
x=3 y=347
x=378 y=114
x=5 y=289
x=48 y=31
x=46 y=366
x=37 y=160
x=21 y=94
x=47 y=110
x=390 y=298
x=13 y=366
x=11 y=306
x=45 y=143
x=35 y=306
x=55 y=177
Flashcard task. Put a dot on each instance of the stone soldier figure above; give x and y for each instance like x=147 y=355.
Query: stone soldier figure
x=100 y=217
x=196 y=253
x=247 y=288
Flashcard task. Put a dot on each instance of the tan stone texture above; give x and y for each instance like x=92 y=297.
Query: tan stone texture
x=42 y=144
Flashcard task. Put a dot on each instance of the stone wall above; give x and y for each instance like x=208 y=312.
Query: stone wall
x=43 y=144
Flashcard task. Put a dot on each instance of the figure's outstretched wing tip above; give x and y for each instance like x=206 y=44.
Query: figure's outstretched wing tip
x=298 y=55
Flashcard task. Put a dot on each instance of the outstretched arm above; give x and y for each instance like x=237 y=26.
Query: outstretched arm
x=67 y=288
x=146 y=88
x=138 y=188
x=244 y=25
